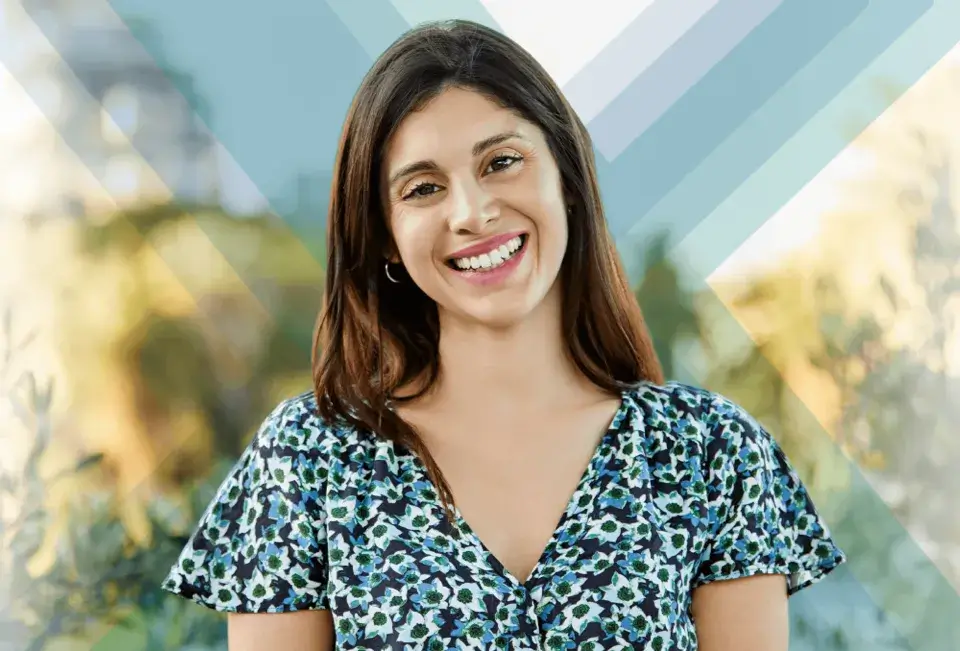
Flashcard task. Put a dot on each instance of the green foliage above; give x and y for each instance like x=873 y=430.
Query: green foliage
x=667 y=307
x=898 y=415
x=99 y=577
x=224 y=363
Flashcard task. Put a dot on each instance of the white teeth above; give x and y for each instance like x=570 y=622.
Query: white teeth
x=493 y=258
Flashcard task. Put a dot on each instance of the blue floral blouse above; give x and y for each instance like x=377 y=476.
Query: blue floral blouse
x=684 y=488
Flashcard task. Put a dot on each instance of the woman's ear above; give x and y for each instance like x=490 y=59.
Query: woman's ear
x=390 y=253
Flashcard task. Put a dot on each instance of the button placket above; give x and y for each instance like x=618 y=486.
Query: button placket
x=526 y=627
x=531 y=605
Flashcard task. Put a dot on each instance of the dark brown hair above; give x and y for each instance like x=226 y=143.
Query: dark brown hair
x=373 y=336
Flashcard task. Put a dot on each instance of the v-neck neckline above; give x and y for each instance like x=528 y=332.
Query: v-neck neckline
x=590 y=471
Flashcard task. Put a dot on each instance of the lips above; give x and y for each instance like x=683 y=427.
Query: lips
x=485 y=246
x=489 y=270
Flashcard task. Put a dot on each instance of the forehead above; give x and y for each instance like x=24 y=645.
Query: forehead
x=450 y=124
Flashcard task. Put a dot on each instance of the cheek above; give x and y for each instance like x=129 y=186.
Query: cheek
x=555 y=239
x=553 y=221
x=415 y=236
x=553 y=209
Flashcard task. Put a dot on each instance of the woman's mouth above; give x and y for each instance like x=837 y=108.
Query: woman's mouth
x=491 y=260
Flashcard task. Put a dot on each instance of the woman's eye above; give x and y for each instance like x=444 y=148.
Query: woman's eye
x=423 y=190
x=417 y=191
x=502 y=162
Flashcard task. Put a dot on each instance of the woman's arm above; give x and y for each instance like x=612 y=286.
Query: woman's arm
x=306 y=630
x=746 y=614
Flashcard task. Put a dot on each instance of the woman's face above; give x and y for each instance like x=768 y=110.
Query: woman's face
x=475 y=206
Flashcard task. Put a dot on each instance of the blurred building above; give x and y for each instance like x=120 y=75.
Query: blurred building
x=127 y=130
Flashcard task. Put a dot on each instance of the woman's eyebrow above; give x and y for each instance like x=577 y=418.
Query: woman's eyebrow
x=477 y=149
x=480 y=146
x=413 y=168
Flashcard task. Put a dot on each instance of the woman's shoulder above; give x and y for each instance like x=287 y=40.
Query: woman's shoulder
x=675 y=401
x=680 y=409
x=259 y=544
x=294 y=427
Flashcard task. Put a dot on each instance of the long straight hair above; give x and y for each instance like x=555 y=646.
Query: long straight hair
x=374 y=336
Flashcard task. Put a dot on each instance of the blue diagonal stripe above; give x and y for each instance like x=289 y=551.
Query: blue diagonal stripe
x=374 y=35
x=685 y=196
x=656 y=162
x=730 y=222
x=740 y=84
x=280 y=74
x=418 y=11
x=76 y=140
x=632 y=52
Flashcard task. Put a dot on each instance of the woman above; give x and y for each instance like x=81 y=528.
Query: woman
x=480 y=341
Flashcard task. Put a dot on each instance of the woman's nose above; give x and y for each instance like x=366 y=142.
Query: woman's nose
x=473 y=208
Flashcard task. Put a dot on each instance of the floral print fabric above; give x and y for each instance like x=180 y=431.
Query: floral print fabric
x=684 y=488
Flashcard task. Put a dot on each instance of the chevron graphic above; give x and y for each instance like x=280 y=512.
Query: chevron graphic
x=707 y=117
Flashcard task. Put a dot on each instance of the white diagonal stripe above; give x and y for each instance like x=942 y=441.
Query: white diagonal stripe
x=632 y=52
x=564 y=36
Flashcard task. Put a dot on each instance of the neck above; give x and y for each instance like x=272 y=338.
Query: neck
x=495 y=367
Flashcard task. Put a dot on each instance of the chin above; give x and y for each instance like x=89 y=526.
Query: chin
x=500 y=319
x=494 y=312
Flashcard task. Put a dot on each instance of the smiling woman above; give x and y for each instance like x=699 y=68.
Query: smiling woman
x=490 y=456
x=483 y=176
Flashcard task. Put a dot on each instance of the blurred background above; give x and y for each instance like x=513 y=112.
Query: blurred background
x=781 y=178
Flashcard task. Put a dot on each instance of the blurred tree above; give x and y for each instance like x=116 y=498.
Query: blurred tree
x=667 y=307
x=98 y=575
x=899 y=408
x=861 y=328
x=182 y=327
x=902 y=408
x=769 y=370
x=213 y=318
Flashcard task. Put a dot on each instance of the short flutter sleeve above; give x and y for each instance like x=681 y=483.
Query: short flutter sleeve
x=260 y=544
x=761 y=517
